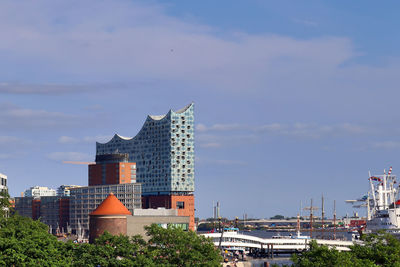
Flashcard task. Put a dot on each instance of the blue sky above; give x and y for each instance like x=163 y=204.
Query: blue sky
x=294 y=99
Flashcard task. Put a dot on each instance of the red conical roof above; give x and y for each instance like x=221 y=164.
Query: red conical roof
x=111 y=206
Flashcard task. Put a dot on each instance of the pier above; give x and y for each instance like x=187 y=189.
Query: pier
x=268 y=247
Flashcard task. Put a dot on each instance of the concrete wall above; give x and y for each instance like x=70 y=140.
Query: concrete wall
x=155 y=212
x=136 y=224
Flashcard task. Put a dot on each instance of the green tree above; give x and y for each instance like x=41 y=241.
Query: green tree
x=322 y=256
x=174 y=247
x=24 y=242
x=383 y=249
x=110 y=250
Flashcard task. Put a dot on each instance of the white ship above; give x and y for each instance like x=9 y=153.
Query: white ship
x=383 y=206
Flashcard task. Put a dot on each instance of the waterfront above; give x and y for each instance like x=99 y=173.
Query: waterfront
x=280 y=258
x=327 y=234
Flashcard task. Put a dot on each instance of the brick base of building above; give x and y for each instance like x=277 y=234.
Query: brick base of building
x=114 y=224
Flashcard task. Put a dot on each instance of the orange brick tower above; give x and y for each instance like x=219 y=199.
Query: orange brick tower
x=109 y=216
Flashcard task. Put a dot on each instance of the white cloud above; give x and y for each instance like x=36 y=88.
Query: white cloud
x=69 y=156
x=16 y=117
x=54 y=89
x=312 y=130
x=67 y=140
x=9 y=139
x=219 y=161
x=86 y=139
x=97 y=138
x=218 y=127
x=201 y=127
x=140 y=42
x=298 y=129
x=210 y=145
x=386 y=145
x=306 y=22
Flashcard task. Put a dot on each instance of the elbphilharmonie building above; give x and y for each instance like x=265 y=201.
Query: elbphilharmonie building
x=163 y=151
x=164 y=154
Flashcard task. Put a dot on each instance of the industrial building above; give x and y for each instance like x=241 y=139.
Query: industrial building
x=84 y=200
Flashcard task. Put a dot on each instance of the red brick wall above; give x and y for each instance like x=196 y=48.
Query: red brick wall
x=94 y=174
x=112 y=176
x=63 y=212
x=188 y=209
x=35 y=209
x=116 y=173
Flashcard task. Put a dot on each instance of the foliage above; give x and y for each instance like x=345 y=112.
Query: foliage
x=175 y=247
x=321 y=256
x=24 y=242
x=110 y=250
x=378 y=250
x=383 y=249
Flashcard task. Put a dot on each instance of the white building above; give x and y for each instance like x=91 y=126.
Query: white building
x=3 y=182
x=64 y=190
x=39 y=191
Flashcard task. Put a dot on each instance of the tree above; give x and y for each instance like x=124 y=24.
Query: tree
x=24 y=242
x=175 y=247
x=321 y=256
x=110 y=250
x=378 y=250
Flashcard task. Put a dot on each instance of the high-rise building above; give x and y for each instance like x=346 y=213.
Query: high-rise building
x=23 y=206
x=54 y=211
x=3 y=182
x=163 y=151
x=39 y=191
x=112 y=169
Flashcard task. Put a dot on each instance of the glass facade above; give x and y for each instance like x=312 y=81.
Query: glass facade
x=163 y=151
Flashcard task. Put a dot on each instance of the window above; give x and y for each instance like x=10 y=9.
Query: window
x=180 y=205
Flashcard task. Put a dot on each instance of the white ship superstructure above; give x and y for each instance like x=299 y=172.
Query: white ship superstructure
x=383 y=209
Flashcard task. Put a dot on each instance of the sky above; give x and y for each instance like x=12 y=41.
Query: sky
x=293 y=99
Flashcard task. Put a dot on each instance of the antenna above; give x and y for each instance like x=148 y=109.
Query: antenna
x=311 y=209
x=334 y=219
x=323 y=215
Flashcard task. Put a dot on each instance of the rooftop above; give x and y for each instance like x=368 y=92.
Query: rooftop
x=111 y=206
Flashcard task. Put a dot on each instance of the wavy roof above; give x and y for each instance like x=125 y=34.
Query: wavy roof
x=111 y=206
x=153 y=117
